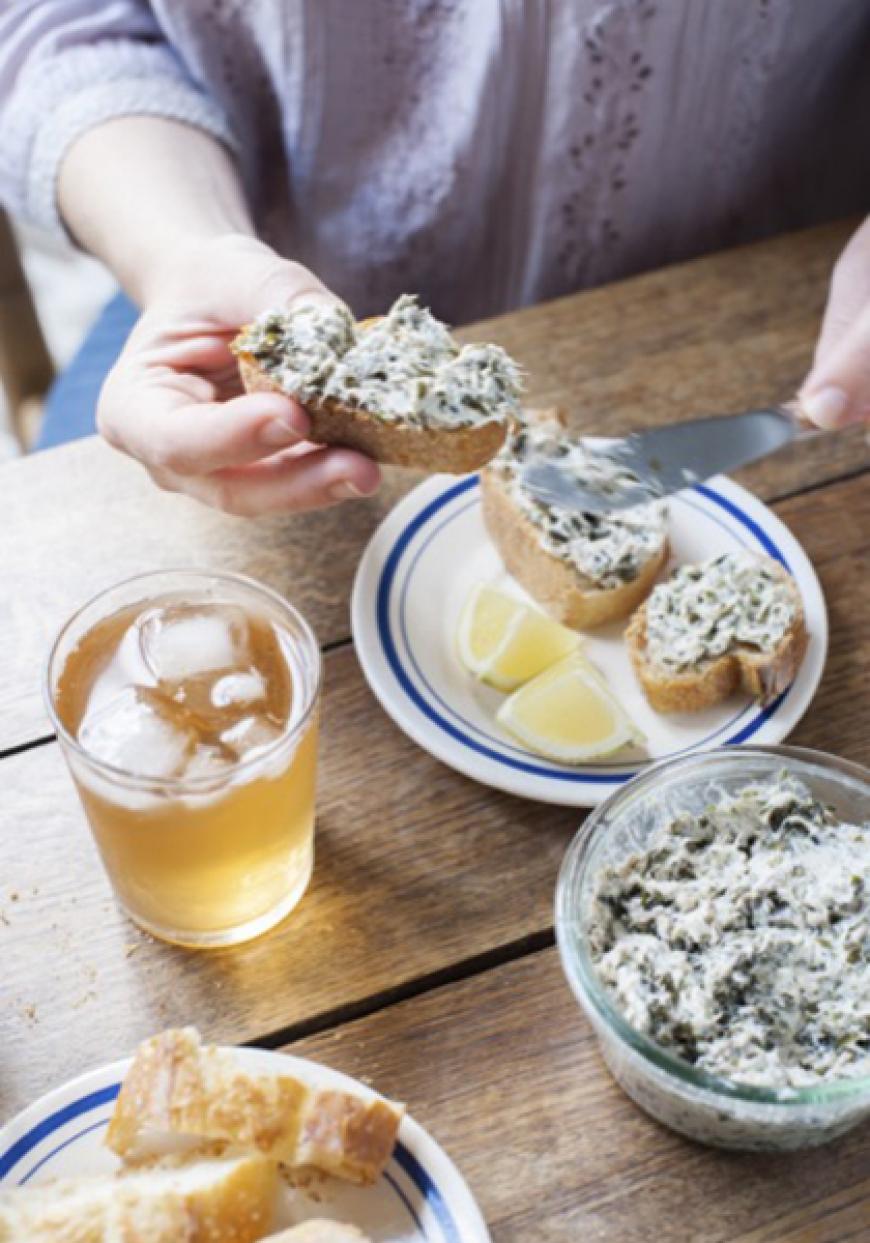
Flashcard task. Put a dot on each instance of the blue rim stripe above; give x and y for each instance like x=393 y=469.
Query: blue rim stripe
x=503 y=747
x=10 y=1158
x=423 y=1180
x=72 y=1139
x=744 y=519
x=418 y=1174
x=385 y=585
x=387 y=581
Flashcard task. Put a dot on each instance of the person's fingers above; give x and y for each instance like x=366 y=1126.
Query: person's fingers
x=836 y=393
x=171 y=423
x=849 y=293
x=288 y=482
x=173 y=401
x=196 y=353
x=837 y=390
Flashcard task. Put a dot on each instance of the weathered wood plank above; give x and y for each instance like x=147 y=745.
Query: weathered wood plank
x=418 y=868
x=721 y=333
x=504 y=1070
x=77 y=519
x=733 y=331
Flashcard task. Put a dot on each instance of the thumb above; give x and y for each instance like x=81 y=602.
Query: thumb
x=836 y=393
x=837 y=390
x=849 y=292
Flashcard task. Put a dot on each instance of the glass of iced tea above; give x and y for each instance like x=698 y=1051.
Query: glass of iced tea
x=186 y=705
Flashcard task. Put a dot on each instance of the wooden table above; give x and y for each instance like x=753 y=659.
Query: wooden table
x=422 y=957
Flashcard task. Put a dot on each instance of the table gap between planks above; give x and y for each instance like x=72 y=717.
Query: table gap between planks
x=422 y=957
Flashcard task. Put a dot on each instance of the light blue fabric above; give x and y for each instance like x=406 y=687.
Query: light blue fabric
x=70 y=409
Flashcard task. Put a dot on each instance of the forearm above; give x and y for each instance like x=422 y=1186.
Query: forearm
x=134 y=189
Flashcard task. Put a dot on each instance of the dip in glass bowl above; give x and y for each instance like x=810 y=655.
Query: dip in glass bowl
x=713 y=920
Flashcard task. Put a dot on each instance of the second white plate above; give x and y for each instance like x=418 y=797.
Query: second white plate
x=421 y=1197
x=417 y=573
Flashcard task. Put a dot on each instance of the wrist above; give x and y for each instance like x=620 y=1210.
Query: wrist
x=136 y=190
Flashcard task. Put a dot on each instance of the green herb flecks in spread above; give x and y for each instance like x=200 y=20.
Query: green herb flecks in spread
x=739 y=939
x=405 y=367
x=608 y=548
x=704 y=610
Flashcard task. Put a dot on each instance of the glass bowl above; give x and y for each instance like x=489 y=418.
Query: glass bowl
x=698 y=1104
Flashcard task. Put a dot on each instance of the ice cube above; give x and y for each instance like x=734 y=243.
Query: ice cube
x=251 y=734
x=131 y=732
x=207 y=761
x=239 y=689
x=180 y=641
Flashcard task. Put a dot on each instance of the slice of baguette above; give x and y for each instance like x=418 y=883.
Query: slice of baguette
x=319 y=1231
x=567 y=595
x=454 y=450
x=764 y=675
x=179 y=1092
x=224 y=1200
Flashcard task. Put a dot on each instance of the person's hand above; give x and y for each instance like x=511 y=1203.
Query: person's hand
x=836 y=392
x=174 y=399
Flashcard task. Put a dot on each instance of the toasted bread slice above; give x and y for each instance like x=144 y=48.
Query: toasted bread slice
x=454 y=450
x=558 y=586
x=762 y=674
x=319 y=1230
x=179 y=1092
x=222 y=1200
x=397 y=387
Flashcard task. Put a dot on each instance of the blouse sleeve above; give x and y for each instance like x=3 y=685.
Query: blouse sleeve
x=67 y=66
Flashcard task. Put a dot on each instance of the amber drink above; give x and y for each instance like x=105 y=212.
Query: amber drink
x=186 y=704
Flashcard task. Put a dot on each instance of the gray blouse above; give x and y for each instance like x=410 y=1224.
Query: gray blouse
x=484 y=153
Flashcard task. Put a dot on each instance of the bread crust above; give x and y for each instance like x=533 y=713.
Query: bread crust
x=566 y=594
x=455 y=451
x=763 y=675
x=178 y=1087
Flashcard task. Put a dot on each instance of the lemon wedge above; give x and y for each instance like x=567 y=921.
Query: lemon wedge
x=568 y=713
x=505 y=643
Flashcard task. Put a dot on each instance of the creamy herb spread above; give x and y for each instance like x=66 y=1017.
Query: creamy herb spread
x=404 y=367
x=739 y=939
x=608 y=548
x=704 y=610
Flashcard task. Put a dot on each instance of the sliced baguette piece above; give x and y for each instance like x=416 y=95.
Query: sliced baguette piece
x=764 y=675
x=179 y=1092
x=319 y=1230
x=218 y=1200
x=454 y=450
x=566 y=594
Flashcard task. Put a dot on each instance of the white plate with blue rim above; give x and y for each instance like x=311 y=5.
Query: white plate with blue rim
x=423 y=562
x=420 y=1198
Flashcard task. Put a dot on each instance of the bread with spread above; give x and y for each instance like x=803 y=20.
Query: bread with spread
x=398 y=387
x=584 y=569
x=734 y=621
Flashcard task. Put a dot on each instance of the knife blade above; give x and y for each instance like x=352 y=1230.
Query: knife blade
x=666 y=459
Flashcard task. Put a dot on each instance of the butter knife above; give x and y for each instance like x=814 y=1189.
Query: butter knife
x=666 y=459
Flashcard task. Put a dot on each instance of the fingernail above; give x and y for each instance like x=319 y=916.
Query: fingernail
x=344 y=490
x=278 y=434
x=826 y=407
